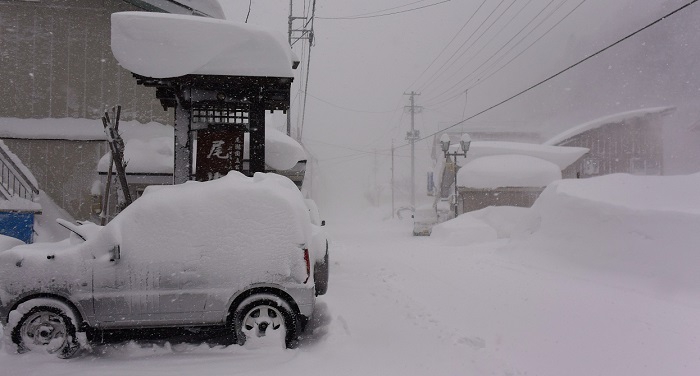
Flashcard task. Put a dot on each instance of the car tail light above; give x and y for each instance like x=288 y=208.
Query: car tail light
x=308 y=264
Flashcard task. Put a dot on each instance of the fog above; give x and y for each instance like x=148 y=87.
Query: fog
x=361 y=68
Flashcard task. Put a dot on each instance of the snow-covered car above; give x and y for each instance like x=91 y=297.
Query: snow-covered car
x=319 y=241
x=234 y=254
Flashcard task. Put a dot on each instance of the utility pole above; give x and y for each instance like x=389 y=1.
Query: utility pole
x=411 y=137
x=392 y=179
x=294 y=35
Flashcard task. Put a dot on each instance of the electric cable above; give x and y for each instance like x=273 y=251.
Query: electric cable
x=628 y=36
x=383 y=14
x=439 y=70
x=488 y=43
x=447 y=45
x=472 y=44
x=500 y=49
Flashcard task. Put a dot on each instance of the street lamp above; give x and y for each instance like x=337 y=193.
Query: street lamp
x=464 y=143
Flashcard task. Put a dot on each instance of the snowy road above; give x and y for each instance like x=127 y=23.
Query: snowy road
x=401 y=305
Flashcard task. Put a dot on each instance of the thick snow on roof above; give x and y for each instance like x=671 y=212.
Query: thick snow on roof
x=77 y=129
x=19 y=204
x=507 y=171
x=168 y=45
x=611 y=119
x=156 y=155
x=153 y=156
x=562 y=156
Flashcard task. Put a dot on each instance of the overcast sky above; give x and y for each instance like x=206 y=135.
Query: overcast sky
x=360 y=69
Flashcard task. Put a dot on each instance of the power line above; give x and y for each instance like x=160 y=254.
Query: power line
x=357 y=17
x=447 y=45
x=482 y=78
x=438 y=71
x=488 y=43
x=499 y=50
x=388 y=9
x=428 y=84
x=347 y=108
x=250 y=5
x=560 y=72
x=513 y=47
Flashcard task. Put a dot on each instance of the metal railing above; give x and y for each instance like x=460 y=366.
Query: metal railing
x=13 y=182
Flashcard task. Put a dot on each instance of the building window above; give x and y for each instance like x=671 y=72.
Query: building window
x=591 y=167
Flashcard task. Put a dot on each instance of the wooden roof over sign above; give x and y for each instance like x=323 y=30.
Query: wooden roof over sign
x=205 y=8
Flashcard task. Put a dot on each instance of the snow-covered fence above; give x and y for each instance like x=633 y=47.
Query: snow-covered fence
x=15 y=179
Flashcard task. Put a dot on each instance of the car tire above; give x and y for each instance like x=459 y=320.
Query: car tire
x=46 y=328
x=321 y=273
x=264 y=315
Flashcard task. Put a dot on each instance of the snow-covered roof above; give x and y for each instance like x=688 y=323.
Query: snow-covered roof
x=562 y=156
x=155 y=156
x=499 y=171
x=77 y=129
x=162 y=45
x=610 y=119
x=19 y=204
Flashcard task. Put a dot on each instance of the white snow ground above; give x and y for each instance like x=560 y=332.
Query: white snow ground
x=599 y=278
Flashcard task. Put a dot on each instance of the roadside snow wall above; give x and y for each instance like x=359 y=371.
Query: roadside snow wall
x=646 y=226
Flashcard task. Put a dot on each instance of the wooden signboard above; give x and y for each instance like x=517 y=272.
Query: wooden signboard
x=218 y=152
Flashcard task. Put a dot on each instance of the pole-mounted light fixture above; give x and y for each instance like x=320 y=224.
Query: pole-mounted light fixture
x=464 y=144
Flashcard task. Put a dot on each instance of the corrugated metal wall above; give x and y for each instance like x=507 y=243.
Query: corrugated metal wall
x=56 y=61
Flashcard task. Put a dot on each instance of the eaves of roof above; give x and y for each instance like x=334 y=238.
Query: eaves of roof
x=167 y=6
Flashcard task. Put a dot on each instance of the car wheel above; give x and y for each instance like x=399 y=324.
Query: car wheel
x=48 y=329
x=321 y=275
x=265 y=319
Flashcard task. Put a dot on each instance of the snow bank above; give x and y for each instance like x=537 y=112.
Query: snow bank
x=7 y=242
x=645 y=226
x=167 y=45
x=462 y=231
x=508 y=171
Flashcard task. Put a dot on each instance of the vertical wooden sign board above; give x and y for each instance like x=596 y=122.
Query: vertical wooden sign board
x=218 y=152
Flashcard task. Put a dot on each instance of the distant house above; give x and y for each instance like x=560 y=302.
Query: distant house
x=56 y=64
x=628 y=142
x=501 y=173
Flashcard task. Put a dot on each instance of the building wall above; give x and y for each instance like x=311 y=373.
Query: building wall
x=634 y=147
x=471 y=199
x=56 y=61
x=65 y=170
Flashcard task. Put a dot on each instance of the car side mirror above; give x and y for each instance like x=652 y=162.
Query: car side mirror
x=115 y=254
x=323 y=223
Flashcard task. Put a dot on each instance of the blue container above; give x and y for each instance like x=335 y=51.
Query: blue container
x=18 y=225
